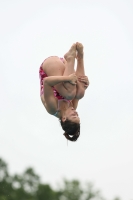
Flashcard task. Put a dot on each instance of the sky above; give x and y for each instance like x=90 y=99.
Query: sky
x=30 y=31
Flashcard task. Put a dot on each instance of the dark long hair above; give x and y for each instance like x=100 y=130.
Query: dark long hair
x=72 y=129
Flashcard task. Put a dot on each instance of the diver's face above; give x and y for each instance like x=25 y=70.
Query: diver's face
x=72 y=115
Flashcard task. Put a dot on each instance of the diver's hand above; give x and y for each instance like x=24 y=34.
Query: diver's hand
x=85 y=80
x=73 y=79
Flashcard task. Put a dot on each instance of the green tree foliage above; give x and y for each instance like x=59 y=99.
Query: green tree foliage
x=91 y=193
x=71 y=190
x=28 y=186
x=46 y=192
x=30 y=181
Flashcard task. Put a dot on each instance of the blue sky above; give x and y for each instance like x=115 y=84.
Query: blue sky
x=34 y=30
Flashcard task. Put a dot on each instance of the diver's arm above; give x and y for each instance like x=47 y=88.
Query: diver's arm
x=54 y=80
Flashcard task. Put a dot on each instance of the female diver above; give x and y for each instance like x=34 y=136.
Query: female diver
x=62 y=87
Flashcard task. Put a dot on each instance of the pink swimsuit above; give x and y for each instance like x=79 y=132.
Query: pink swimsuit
x=43 y=75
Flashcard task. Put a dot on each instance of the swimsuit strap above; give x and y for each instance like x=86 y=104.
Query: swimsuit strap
x=57 y=109
x=59 y=105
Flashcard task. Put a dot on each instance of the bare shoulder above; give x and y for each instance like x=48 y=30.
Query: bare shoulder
x=50 y=107
x=43 y=101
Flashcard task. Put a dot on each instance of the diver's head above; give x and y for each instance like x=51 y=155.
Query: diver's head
x=70 y=123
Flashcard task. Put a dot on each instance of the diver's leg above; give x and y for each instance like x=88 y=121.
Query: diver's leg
x=80 y=71
x=70 y=61
x=53 y=66
x=69 y=69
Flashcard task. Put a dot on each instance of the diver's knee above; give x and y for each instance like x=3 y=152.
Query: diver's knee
x=71 y=95
x=80 y=95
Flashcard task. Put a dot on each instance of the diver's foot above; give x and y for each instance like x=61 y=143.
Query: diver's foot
x=79 y=48
x=71 y=53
